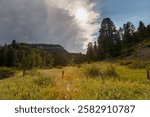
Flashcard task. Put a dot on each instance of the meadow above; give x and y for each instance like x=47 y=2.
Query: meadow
x=94 y=81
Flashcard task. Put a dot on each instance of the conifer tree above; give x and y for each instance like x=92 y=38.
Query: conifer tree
x=95 y=51
x=90 y=52
x=129 y=30
x=109 y=40
x=142 y=31
x=3 y=56
x=12 y=60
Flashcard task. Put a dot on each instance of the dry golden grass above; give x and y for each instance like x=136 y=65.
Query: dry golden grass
x=50 y=84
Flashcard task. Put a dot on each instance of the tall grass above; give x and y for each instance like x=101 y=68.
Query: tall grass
x=49 y=84
x=6 y=72
x=111 y=71
x=92 y=71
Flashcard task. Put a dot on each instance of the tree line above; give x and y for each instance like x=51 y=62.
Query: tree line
x=112 y=42
x=28 y=56
x=24 y=57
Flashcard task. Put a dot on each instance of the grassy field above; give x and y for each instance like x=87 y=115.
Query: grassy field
x=78 y=82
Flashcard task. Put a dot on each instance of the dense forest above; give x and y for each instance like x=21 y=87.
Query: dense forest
x=113 y=42
x=28 y=56
x=23 y=56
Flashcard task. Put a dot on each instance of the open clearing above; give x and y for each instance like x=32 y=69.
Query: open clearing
x=53 y=84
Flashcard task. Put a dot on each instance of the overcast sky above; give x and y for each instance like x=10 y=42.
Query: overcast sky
x=59 y=22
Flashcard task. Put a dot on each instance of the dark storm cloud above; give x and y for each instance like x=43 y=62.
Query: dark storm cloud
x=44 y=21
x=22 y=20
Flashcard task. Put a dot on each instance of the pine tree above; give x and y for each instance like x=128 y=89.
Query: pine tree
x=3 y=56
x=117 y=44
x=12 y=60
x=90 y=52
x=129 y=30
x=13 y=43
x=95 y=51
x=148 y=31
x=141 y=31
x=108 y=40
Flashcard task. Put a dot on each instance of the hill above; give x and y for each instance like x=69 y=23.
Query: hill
x=50 y=48
x=16 y=52
x=140 y=51
x=62 y=56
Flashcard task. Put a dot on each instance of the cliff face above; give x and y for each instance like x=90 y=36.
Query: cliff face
x=51 y=48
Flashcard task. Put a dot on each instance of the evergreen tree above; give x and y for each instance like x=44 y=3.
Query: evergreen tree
x=108 y=40
x=3 y=56
x=148 y=31
x=141 y=31
x=129 y=30
x=117 y=44
x=141 y=27
x=12 y=60
x=90 y=52
x=13 y=43
x=95 y=51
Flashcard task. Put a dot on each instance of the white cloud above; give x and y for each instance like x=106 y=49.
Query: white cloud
x=84 y=29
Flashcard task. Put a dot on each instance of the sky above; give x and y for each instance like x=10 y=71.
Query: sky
x=70 y=23
x=121 y=11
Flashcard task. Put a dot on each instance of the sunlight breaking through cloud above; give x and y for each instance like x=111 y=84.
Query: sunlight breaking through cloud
x=86 y=25
x=49 y=21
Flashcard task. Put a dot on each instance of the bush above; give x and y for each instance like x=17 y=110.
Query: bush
x=79 y=66
x=126 y=63
x=44 y=81
x=139 y=64
x=111 y=71
x=92 y=71
x=6 y=73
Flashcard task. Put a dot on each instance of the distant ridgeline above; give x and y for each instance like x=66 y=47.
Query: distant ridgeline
x=27 y=56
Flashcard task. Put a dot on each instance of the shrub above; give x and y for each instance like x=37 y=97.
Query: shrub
x=139 y=64
x=6 y=72
x=111 y=71
x=92 y=71
x=126 y=63
x=44 y=81
x=79 y=66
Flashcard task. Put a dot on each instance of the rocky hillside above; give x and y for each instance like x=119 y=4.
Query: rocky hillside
x=140 y=51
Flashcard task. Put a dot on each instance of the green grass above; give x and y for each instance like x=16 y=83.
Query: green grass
x=48 y=84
